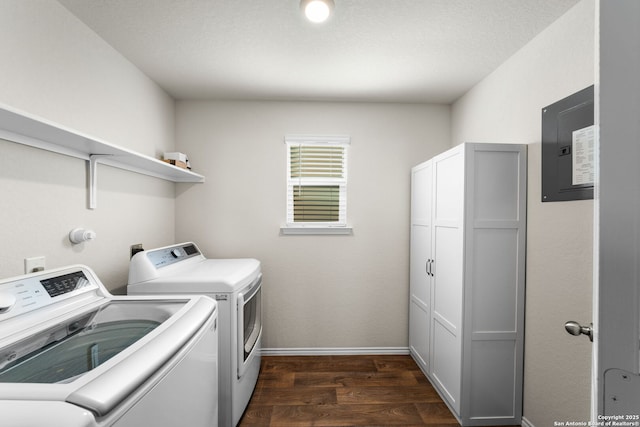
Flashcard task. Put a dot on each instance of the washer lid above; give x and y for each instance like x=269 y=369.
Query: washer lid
x=203 y=277
x=67 y=349
x=143 y=359
x=97 y=358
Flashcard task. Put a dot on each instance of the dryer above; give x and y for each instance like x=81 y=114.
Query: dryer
x=72 y=354
x=236 y=285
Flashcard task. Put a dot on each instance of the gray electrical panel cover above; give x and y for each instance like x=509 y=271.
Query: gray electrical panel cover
x=568 y=148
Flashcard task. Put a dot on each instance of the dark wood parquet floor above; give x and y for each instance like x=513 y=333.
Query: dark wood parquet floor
x=332 y=391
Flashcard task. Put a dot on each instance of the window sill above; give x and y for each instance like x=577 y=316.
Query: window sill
x=300 y=231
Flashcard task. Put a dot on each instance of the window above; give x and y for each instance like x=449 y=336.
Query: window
x=316 y=184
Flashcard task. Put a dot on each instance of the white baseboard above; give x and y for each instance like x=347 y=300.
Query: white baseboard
x=526 y=423
x=338 y=351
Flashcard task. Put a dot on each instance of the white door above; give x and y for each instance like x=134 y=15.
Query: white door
x=420 y=262
x=447 y=252
x=616 y=382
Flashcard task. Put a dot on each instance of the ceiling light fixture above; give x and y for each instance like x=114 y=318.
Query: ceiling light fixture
x=317 y=10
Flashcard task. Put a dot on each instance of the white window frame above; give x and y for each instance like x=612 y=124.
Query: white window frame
x=339 y=227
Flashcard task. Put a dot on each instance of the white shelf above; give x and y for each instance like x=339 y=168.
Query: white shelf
x=25 y=129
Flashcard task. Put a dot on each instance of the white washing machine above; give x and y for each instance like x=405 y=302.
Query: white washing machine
x=73 y=355
x=236 y=285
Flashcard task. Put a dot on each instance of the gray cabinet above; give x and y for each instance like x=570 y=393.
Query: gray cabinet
x=467 y=274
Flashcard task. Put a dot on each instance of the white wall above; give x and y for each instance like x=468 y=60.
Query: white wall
x=361 y=301
x=56 y=68
x=617 y=242
x=506 y=107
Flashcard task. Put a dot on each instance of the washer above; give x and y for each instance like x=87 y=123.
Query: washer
x=236 y=285
x=72 y=354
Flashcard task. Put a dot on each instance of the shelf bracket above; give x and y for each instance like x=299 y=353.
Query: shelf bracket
x=93 y=178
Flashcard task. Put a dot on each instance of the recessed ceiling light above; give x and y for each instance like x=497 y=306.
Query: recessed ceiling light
x=317 y=10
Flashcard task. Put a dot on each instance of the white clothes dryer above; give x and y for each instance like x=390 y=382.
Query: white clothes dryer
x=73 y=355
x=236 y=285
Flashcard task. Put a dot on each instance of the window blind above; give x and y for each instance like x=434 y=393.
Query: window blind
x=316 y=161
x=316 y=182
x=316 y=203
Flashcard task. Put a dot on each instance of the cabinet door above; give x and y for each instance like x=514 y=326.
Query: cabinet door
x=420 y=295
x=447 y=279
x=420 y=284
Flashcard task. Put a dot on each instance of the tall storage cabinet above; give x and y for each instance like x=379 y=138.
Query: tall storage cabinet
x=467 y=276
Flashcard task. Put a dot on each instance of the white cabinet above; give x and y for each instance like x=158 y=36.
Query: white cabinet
x=467 y=273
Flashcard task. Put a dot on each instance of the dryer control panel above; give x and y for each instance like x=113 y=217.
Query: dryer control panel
x=172 y=254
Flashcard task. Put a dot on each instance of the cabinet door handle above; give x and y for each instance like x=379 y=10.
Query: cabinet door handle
x=431 y=268
x=426 y=267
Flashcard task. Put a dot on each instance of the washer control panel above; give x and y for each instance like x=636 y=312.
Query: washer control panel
x=172 y=254
x=27 y=293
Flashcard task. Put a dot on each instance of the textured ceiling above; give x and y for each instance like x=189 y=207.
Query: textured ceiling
x=369 y=50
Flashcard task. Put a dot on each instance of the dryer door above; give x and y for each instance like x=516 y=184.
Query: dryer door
x=249 y=324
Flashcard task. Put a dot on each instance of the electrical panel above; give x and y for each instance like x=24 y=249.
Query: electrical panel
x=568 y=148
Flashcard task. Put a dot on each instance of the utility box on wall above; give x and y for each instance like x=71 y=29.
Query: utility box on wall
x=568 y=154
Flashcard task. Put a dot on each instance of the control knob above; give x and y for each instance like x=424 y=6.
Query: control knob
x=7 y=301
